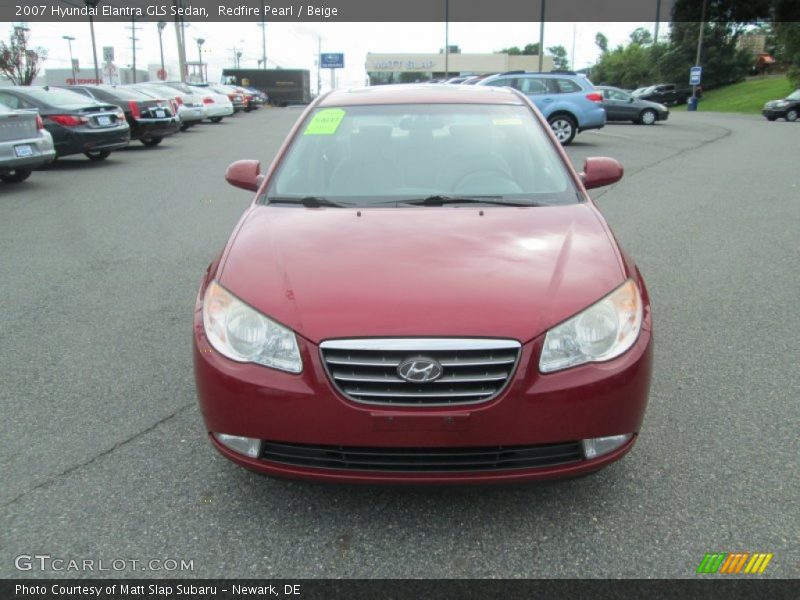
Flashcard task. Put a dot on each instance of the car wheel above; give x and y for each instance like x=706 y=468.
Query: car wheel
x=16 y=175
x=185 y=126
x=97 y=155
x=791 y=115
x=153 y=141
x=215 y=119
x=564 y=128
x=648 y=117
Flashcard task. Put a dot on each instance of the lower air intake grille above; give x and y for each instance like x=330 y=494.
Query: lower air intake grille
x=422 y=460
x=420 y=372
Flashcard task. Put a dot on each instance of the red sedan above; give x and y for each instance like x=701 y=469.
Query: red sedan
x=422 y=291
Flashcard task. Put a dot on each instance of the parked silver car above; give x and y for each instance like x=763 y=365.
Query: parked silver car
x=24 y=144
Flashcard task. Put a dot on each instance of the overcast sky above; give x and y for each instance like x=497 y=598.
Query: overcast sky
x=294 y=45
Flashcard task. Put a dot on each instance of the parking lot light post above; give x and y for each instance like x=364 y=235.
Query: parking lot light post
x=161 y=25
x=200 y=42
x=71 y=39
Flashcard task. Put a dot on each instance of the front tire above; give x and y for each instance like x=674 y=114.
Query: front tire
x=16 y=176
x=97 y=155
x=791 y=115
x=215 y=119
x=151 y=142
x=564 y=127
x=648 y=117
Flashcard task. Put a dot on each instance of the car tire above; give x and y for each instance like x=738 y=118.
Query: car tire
x=185 y=126
x=791 y=115
x=648 y=117
x=16 y=176
x=97 y=155
x=564 y=127
x=215 y=119
x=153 y=141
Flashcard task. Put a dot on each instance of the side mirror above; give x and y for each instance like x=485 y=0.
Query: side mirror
x=599 y=171
x=245 y=174
x=630 y=98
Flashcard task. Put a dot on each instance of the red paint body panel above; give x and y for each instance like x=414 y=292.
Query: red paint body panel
x=497 y=272
x=511 y=273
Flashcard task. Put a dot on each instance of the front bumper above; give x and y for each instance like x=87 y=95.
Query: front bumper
x=588 y=401
x=774 y=113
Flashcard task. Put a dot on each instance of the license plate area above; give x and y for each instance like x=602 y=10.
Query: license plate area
x=23 y=150
x=160 y=114
x=104 y=121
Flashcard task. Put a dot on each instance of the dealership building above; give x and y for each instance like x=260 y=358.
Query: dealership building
x=408 y=68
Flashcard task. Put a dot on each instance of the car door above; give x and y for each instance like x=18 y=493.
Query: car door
x=626 y=107
x=539 y=93
x=615 y=111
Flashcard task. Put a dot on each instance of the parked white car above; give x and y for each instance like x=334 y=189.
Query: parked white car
x=217 y=105
x=24 y=144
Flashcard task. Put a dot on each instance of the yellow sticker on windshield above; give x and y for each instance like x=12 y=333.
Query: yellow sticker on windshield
x=325 y=122
x=507 y=121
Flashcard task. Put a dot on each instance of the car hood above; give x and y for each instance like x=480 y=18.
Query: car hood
x=428 y=271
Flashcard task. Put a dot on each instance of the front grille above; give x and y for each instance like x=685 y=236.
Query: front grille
x=422 y=460
x=472 y=370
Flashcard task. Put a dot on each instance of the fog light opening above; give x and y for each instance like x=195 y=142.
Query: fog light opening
x=595 y=447
x=243 y=445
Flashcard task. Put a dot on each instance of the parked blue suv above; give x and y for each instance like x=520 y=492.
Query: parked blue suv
x=567 y=100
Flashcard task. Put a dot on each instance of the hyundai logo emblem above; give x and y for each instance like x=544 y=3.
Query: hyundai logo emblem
x=420 y=370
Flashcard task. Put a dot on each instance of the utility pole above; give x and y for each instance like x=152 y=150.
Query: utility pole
x=93 y=4
x=319 y=63
x=71 y=39
x=541 y=37
x=161 y=25
x=181 y=45
x=134 y=39
x=446 y=39
x=699 y=42
x=263 y=26
x=574 y=32
x=658 y=21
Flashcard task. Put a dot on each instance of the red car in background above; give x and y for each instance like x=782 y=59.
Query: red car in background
x=422 y=291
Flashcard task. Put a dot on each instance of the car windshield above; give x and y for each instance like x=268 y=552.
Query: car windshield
x=384 y=154
x=795 y=95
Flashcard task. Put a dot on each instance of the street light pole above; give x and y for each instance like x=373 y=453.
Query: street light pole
x=200 y=42
x=71 y=39
x=541 y=37
x=263 y=26
x=161 y=25
x=699 y=43
x=446 y=39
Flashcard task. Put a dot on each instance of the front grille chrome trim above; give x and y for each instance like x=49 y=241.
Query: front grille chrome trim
x=365 y=370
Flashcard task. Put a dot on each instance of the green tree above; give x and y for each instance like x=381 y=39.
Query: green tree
x=531 y=49
x=19 y=63
x=641 y=36
x=601 y=41
x=559 y=54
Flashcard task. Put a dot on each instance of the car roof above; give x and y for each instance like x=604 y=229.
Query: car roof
x=421 y=94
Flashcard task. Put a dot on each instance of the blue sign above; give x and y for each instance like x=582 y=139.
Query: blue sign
x=695 y=75
x=331 y=60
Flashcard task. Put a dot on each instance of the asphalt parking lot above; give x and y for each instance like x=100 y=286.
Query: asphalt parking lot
x=103 y=452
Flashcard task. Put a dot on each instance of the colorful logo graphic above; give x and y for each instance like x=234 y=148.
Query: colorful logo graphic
x=729 y=563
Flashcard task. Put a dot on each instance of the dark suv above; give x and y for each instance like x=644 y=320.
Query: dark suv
x=567 y=100
x=788 y=108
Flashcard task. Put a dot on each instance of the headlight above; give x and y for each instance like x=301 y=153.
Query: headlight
x=245 y=335
x=601 y=332
x=781 y=104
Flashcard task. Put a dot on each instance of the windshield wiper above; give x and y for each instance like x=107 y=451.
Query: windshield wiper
x=441 y=200
x=307 y=201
